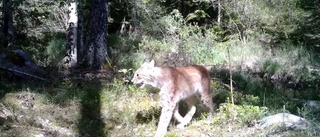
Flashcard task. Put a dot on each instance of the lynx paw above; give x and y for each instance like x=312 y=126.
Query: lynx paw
x=181 y=125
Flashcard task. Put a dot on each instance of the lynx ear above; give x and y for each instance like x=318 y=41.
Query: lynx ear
x=151 y=64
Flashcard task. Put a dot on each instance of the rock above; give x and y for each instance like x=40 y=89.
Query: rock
x=27 y=100
x=19 y=64
x=5 y=114
x=39 y=135
x=286 y=120
x=313 y=104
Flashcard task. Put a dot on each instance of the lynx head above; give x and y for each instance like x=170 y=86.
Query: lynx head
x=144 y=75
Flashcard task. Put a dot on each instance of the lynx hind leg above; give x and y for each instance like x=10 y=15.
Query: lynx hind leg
x=207 y=101
x=206 y=97
x=177 y=115
x=187 y=118
x=165 y=117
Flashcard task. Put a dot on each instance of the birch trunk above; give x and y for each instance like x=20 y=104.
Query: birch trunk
x=219 y=12
x=71 y=59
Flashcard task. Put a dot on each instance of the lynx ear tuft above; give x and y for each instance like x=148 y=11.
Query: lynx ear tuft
x=151 y=64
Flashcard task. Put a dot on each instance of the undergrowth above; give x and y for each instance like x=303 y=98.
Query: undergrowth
x=117 y=108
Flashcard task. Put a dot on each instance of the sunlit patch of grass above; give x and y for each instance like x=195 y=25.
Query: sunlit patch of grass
x=245 y=56
x=128 y=110
x=32 y=113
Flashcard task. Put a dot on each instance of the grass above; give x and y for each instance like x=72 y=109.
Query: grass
x=117 y=108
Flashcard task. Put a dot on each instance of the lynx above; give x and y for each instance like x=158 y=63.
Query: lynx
x=175 y=84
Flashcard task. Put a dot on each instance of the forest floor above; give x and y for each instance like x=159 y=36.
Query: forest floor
x=108 y=105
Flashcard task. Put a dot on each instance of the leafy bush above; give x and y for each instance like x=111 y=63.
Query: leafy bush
x=240 y=113
x=239 y=98
x=270 y=66
x=123 y=50
x=193 y=44
x=55 y=51
x=295 y=62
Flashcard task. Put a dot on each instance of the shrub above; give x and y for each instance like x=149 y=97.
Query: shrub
x=191 y=43
x=239 y=113
x=55 y=51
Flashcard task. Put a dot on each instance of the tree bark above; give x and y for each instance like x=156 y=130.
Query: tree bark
x=219 y=12
x=71 y=59
x=8 y=23
x=96 y=39
x=80 y=40
x=182 y=7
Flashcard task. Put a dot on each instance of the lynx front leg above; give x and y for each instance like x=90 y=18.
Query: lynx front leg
x=165 y=117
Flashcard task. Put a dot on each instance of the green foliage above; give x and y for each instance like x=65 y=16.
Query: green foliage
x=197 y=14
x=240 y=113
x=171 y=134
x=172 y=22
x=144 y=15
x=185 y=39
x=248 y=113
x=308 y=113
x=55 y=51
x=295 y=62
x=276 y=17
x=153 y=45
x=123 y=51
x=270 y=67
x=35 y=26
x=202 y=45
x=239 y=98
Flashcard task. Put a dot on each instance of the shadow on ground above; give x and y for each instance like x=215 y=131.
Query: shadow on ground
x=90 y=122
x=84 y=119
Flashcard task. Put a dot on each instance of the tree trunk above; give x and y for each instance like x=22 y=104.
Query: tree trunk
x=71 y=59
x=219 y=12
x=8 y=23
x=80 y=40
x=182 y=8
x=96 y=39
